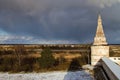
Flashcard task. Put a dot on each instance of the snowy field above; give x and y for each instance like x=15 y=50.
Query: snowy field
x=58 y=75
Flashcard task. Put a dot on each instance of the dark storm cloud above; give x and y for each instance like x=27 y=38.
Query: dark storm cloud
x=58 y=19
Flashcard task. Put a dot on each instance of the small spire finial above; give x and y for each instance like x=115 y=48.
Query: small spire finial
x=99 y=16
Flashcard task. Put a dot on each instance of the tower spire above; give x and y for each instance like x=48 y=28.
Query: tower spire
x=100 y=32
x=100 y=36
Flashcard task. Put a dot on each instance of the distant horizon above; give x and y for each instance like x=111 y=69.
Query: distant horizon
x=54 y=44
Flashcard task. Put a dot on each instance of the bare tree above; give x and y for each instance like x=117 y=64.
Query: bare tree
x=19 y=51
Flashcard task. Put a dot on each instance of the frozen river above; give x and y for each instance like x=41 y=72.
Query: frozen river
x=57 y=75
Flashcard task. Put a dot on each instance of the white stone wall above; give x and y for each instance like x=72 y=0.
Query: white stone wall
x=115 y=59
x=97 y=52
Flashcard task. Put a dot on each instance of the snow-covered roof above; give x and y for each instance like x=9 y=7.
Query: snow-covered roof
x=112 y=66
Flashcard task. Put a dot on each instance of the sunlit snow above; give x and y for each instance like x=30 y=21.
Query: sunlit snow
x=58 y=75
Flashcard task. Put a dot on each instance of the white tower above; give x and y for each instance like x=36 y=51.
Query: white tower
x=99 y=48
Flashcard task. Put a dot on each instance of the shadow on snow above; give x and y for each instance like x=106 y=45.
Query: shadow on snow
x=75 y=72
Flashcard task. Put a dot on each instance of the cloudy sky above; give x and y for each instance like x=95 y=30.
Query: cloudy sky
x=57 y=21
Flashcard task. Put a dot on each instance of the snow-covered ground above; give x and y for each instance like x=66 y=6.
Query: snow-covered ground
x=57 y=75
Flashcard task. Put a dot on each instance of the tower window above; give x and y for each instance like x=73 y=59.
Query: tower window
x=118 y=58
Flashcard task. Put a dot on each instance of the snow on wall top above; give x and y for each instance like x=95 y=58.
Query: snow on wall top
x=112 y=66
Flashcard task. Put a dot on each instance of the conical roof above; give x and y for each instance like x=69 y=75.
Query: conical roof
x=100 y=36
x=100 y=32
